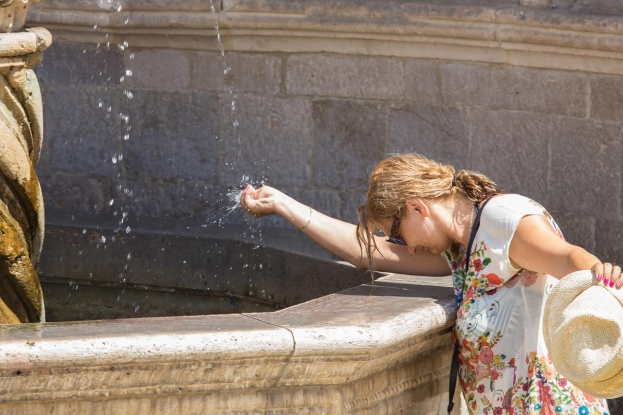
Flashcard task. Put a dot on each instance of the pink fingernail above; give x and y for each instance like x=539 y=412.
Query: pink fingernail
x=606 y=281
x=611 y=284
x=599 y=277
x=619 y=285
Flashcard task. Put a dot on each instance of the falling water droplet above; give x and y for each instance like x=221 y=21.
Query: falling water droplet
x=110 y=202
x=128 y=230
x=129 y=257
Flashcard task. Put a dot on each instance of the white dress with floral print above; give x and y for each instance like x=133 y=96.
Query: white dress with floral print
x=504 y=365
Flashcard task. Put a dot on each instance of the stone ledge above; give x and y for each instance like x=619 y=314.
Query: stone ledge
x=497 y=33
x=334 y=340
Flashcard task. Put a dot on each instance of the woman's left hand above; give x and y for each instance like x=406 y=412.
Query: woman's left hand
x=609 y=274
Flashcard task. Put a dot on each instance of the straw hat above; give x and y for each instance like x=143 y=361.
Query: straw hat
x=583 y=332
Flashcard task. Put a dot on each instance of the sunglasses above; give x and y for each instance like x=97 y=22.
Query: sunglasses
x=394 y=234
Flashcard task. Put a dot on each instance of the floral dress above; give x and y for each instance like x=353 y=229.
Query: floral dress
x=504 y=365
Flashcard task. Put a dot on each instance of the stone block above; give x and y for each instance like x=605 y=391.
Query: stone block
x=82 y=130
x=608 y=241
x=586 y=166
x=346 y=77
x=192 y=199
x=607 y=98
x=173 y=136
x=578 y=229
x=73 y=193
x=350 y=137
x=464 y=84
x=137 y=198
x=66 y=64
x=422 y=81
x=257 y=73
x=350 y=203
x=512 y=148
x=159 y=69
x=549 y=92
x=438 y=132
x=271 y=141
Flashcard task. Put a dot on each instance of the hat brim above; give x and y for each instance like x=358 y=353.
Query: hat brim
x=583 y=332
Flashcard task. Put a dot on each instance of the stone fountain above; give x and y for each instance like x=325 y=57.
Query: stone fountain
x=21 y=134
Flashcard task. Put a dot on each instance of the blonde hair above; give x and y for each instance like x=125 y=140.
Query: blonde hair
x=402 y=177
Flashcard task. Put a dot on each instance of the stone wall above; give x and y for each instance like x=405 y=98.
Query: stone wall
x=320 y=92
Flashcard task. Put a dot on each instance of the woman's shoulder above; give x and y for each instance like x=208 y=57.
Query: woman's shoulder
x=513 y=204
x=503 y=213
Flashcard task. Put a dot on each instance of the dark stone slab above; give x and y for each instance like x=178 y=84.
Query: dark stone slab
x=438 y=132
x=512 y=148
x=586 y=168
x=349 y=139
x=66 y=64
x=172 y=137
x=82 y=130
x=549 y=92
x=271 y=143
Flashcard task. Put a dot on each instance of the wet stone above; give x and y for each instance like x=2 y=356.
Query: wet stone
x=160 y=69
x=173 y=135
x=67 y=64
x=258 y=73
x=266 y=138
x=81 y=131
x=74 y=193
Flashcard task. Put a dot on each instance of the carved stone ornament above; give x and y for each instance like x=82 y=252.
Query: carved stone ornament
x=21 y=133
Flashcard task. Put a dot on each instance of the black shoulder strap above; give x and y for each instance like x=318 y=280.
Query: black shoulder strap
x=454 y=368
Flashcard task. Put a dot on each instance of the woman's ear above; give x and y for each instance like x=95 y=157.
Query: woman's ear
x=419 y=206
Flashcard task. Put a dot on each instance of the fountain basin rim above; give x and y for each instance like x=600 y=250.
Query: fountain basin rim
x=350 y=329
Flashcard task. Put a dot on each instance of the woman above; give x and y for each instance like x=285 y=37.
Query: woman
x=517 y=253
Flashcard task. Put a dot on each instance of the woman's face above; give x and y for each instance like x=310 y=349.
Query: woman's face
x=418 y=228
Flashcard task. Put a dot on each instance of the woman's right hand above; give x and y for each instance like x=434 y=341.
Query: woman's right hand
x=260 y=202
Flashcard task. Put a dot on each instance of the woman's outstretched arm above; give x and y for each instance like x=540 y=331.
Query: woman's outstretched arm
x=537 y=247
x=339 y=237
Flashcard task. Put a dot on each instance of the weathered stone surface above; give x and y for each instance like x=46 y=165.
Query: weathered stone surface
x=464 y=84
x=351 y=200
x=159 y=69
x=348 y=77
x=70 y=64
x=73 y=193
x=83 y=135
x=512 y=148
x=191 y=199
x=141 y=198
x=173 y=135
x=586 y=168
x=549 y=92
x=607 y=98
x=438 y=132
x=578 y=229
x=272 y=141
x=422 y=81
x=349 y=138
x=608 y=241
x=243 y=72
